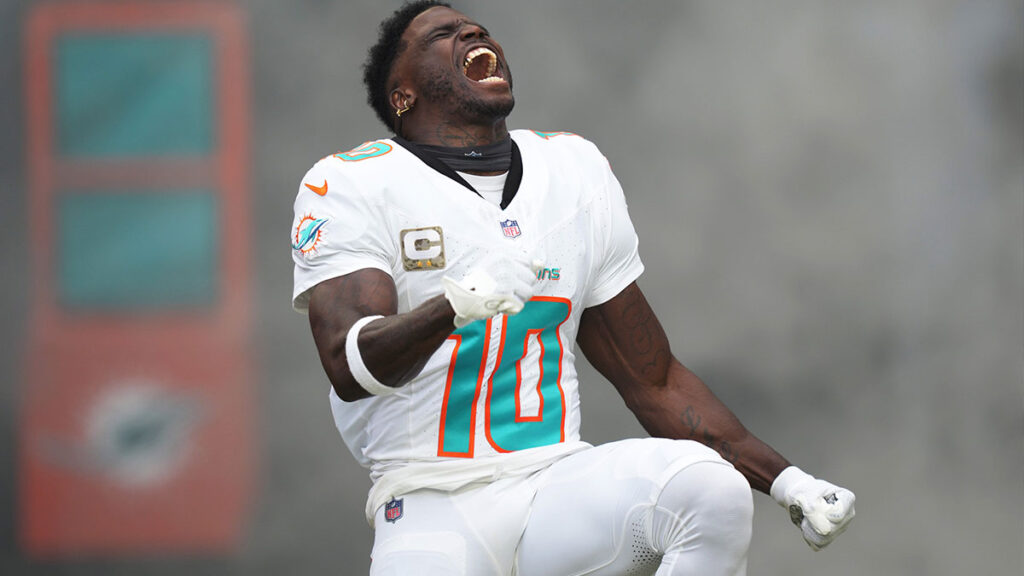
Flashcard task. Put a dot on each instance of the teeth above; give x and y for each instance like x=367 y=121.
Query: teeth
x=477 y=52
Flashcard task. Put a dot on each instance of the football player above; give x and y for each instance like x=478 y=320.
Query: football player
x=451 y=273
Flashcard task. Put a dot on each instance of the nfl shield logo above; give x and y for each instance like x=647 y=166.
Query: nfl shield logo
x=393 y=510
x=510 y=228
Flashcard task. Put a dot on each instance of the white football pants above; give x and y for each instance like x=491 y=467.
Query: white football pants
x=635 y=507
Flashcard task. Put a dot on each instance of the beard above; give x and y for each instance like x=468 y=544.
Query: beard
x=439 y=84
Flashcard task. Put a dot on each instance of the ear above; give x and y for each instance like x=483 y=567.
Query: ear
x=400 y=99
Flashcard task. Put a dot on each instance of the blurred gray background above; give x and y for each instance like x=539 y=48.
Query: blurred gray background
x=830 y=202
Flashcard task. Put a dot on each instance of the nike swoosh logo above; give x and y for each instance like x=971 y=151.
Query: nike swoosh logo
x=319 y=190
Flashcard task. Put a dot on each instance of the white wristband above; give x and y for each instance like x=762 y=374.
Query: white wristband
x=355 y=361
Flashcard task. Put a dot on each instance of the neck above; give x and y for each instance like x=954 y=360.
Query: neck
x=447 y=133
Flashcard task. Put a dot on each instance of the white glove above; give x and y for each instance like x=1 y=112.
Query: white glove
x=500 y=285
x=821 y=510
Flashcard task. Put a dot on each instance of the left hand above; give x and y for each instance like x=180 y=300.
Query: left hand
x=822 y=510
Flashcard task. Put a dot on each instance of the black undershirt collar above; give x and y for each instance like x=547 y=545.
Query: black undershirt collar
x=495 y=157
x=512 y=181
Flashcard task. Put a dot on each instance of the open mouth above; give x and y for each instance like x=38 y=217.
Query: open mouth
x=481 y=65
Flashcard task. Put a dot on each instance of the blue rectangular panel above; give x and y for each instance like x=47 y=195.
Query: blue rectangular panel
x=130 y=95
x=137 y=251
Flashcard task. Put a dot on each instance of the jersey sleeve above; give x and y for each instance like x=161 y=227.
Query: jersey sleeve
x=335 y=231
x=618 y=260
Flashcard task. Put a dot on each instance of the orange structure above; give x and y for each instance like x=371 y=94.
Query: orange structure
x=136 y=417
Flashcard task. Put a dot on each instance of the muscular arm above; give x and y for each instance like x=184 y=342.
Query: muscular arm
x=394 y=348
x=625 y=342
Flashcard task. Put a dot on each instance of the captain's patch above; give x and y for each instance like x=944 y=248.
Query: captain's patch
x=422 y=248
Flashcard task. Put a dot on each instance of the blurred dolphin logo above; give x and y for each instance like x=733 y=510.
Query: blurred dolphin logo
x=137 y=434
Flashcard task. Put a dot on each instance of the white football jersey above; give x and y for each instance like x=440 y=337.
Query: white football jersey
x=502 y=385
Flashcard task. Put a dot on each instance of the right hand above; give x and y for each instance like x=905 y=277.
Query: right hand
x=500 y=285
x=821 y=509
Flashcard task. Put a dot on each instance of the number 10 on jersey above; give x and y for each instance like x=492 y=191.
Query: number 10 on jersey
x=533 y=333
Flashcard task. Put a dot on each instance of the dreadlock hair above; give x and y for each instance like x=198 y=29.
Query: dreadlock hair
x=382 y=55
